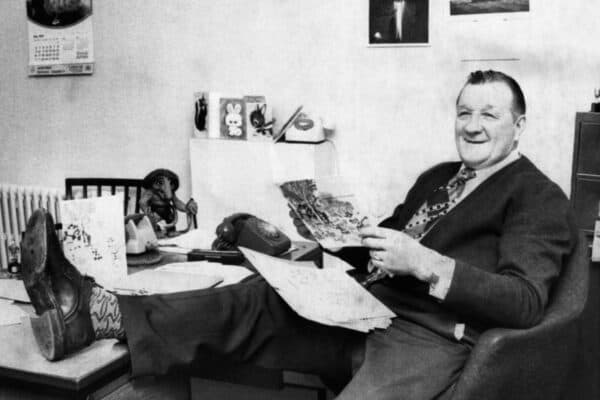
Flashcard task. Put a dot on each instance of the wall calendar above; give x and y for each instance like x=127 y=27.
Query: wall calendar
x=60 y=37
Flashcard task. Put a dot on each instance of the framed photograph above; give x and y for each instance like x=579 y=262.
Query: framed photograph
x=472 y=7
x=398 y=23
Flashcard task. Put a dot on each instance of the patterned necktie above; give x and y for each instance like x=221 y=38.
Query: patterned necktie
x=436 y=206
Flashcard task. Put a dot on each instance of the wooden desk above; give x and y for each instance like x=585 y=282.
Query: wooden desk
x=100 y=371
x=24 y=370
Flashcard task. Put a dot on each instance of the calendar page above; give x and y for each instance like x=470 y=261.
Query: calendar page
x=60 y=37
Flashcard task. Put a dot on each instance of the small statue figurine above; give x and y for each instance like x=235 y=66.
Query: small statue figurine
x=596 y=105
x=14 y=266
x=160 y=204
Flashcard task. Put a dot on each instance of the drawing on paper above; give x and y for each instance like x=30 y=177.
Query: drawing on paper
x=327 y=210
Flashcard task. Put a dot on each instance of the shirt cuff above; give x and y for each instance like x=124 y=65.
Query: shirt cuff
x=440 y=283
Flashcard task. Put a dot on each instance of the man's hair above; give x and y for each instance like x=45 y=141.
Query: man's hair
x=482 y=77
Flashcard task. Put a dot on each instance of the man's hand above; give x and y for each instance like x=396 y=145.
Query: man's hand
x=399 y=254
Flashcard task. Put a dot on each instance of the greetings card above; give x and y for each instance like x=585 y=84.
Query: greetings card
x=327 y=208
x=231 y=117
x=94 y=237
x=259 y=120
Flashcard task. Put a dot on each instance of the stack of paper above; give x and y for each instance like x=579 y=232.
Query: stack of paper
x=230 y=273
x=326 y=296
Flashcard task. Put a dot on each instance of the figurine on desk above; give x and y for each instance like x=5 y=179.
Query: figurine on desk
x=160 y=203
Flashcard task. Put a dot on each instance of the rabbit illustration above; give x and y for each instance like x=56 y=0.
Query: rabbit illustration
x=233 y=119
x=257 y=119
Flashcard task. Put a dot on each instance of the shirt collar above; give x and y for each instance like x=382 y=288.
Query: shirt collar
x=484 y=173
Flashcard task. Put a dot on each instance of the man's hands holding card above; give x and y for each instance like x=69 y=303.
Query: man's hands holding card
x=398 y=254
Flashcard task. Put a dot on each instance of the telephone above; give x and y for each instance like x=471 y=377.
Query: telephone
x=249 y=231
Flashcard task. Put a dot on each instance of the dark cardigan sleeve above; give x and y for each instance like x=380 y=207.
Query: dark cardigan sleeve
x=538 y=232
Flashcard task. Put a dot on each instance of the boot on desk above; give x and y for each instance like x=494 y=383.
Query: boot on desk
x=58 y=292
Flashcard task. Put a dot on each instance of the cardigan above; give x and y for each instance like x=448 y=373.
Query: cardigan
x=508 y=238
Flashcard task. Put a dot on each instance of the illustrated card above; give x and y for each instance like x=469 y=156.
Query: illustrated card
x=259 y=120
x=94 y=237
x=327 y=209
x=231 y=116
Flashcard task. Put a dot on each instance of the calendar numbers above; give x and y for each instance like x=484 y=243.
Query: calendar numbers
x=46 y=52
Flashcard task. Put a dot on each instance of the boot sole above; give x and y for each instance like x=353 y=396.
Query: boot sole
x=49 y=333
x=34 y=247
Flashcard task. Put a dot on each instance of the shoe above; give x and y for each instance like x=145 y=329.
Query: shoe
x=58 y=292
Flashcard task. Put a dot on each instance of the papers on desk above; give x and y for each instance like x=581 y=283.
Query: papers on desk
x=161 y=282
x=230 y=273
x=10 y=314
x=13 y=289
x=193 y=239
x=326 y=296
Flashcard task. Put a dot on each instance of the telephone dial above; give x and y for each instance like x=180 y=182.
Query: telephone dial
x=249 y=231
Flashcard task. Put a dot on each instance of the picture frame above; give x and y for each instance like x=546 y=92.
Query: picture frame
x=476 y=10
x=398 y=23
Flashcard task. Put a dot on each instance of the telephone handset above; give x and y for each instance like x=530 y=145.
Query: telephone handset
x=249 y=231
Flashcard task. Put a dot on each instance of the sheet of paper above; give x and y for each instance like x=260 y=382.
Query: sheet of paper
x=330 y=261
x=327 y=208
x=94 y=237
x=230 y=273
x=10 y=314
x=156 y=281
x=13 y=289
x=335 y=298
x=193 y=239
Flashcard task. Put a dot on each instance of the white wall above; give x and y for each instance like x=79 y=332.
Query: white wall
x=393 y=107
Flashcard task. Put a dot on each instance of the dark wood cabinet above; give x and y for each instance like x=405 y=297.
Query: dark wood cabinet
x=585 y=181
x=584 y=382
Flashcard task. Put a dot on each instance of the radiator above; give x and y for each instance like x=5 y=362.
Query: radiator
x=16 y=205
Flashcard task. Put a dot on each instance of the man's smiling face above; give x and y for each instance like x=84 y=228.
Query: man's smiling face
x=486 y=130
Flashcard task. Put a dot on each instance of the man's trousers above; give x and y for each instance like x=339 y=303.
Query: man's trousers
x=249 y=323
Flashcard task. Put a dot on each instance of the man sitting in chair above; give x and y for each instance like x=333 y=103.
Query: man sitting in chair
x=477 y=244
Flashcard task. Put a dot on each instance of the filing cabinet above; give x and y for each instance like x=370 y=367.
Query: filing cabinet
x=585 y=181
x=584 y=382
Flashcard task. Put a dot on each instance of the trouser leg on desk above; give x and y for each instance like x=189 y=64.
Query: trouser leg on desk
x=246 y=322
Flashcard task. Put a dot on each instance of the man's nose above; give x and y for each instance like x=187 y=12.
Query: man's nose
x=473 y=125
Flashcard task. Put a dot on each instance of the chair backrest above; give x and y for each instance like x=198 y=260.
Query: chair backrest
x=569 y=294
x=95 y=187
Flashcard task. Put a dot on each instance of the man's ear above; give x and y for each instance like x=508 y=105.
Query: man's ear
x=520 y=125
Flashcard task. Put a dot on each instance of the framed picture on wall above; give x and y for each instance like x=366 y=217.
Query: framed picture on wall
x=488 y=7
x=398 y=23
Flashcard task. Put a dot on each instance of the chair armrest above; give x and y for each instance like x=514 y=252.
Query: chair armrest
x=511 y=363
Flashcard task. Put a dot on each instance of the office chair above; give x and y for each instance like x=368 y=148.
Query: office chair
x=131 y=189
x=531 y=363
